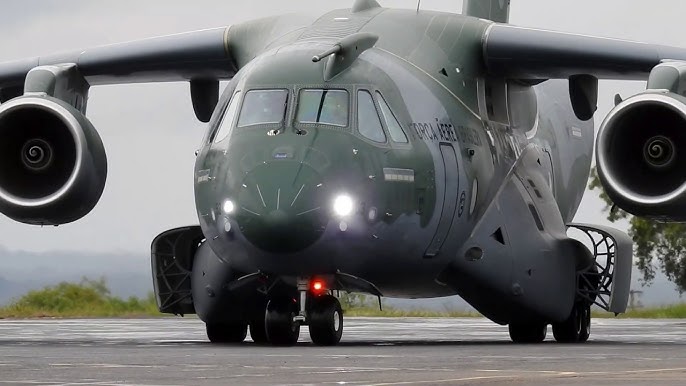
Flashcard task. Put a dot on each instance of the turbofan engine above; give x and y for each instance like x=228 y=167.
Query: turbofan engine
x=52 y=162
x=641 y=155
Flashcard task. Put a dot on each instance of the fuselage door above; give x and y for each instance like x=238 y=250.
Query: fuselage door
x=450 y=199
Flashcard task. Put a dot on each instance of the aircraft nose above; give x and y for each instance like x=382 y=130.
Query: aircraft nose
x=281 y=207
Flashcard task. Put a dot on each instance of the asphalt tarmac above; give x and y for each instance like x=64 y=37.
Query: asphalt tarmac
x=374 y=351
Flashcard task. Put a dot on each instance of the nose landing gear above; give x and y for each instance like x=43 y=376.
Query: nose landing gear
x=316 y=308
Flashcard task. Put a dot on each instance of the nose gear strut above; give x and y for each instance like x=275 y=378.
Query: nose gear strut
x=303 y=287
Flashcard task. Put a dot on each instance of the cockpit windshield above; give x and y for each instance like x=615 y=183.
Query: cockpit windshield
x=328 y=107
x=262 y=107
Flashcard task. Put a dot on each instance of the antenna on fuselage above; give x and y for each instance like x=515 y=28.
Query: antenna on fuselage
x=419 y=2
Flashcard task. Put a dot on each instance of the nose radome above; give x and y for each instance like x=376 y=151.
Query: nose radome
x=281 y=207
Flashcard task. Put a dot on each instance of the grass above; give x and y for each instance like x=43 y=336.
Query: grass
x=92 y=299
x=676 y=311
x=88 y=298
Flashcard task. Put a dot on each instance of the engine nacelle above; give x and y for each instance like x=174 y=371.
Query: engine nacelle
x=52 y=161
x=641 y=155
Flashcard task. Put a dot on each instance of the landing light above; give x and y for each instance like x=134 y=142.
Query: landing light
x=343 y=205
x=228 y=207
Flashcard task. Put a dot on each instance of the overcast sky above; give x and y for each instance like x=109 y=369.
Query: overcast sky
x=150 y=132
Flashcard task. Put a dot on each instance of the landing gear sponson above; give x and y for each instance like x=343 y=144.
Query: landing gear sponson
x=605 y=284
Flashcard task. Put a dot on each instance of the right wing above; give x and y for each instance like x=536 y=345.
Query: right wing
x=188 y=56
x=206 y=55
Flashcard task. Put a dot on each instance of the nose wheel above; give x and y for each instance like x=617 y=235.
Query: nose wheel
x=326 y=321
x=281 y=328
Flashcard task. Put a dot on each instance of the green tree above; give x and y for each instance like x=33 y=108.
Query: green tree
x=655 y=243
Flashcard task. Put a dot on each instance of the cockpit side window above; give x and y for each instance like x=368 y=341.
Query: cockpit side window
x=368 y=121
x=228 y=119
x=397 y=133
x=327 y=107
x=263 y=107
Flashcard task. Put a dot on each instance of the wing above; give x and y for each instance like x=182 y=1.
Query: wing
x=202 y=57
x=525 y=53
x=188 y=56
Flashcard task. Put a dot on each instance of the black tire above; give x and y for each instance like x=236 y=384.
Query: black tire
x=325 y=320
x=280 y=328
x=577 y=326
x=234 y=332
x=528 y=333
x=586 y=325
x=258 y=332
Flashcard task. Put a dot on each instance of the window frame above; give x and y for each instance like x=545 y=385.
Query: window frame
x=286 y=110
x=296 y=105
x=225 y=109
x=327 y=89
x=380 y=98
x=357 y=132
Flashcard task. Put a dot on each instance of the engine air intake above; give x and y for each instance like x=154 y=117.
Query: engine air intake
x=52 y=162
x=641 y=155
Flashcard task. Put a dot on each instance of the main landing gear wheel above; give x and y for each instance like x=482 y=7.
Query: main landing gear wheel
x=577 y=328
x=528 y=333
x=325 y=320
x=280 y=328
x=233 y=332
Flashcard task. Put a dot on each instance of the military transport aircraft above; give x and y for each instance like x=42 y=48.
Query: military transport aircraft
x=399 y=153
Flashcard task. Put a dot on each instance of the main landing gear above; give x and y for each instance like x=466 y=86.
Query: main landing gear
x=280 y=323
x=233 y=332
x=576 y=329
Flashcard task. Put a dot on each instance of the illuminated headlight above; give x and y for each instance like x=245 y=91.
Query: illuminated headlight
x=343 y=205
x=228 y=207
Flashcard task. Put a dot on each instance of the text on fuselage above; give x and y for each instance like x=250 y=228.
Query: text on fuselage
x=445 y=132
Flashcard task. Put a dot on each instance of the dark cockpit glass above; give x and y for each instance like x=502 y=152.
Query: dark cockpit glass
x=229 y=117
x=368 y=118
x=262 y=107
x=397 y=133
x=328 y=107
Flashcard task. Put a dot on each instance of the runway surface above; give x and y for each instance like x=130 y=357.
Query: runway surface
x=374 y=351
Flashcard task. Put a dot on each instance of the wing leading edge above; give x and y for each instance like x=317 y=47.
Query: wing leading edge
x=202 y=55
x=525 y=53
